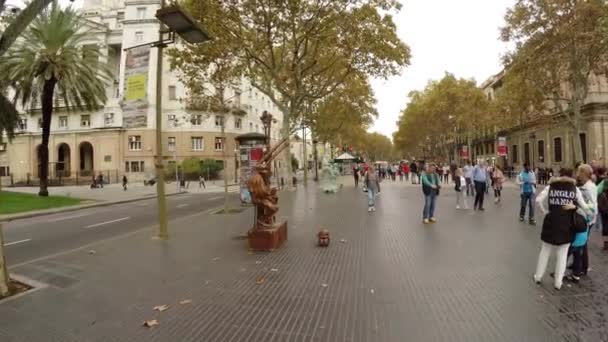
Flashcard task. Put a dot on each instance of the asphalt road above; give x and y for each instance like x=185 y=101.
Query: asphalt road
x=37 y=237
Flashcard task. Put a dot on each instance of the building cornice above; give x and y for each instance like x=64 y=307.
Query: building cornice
x=139 y=21
x=142 y=2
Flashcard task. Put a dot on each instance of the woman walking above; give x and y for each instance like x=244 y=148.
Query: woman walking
x=356 y=176
x=560 y=224
x=430 y=187
x=372 y=184
x=498 y=178
x=461 y=200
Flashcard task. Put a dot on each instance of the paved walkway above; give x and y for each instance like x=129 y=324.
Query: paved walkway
x=466 y=278
x=115 y=192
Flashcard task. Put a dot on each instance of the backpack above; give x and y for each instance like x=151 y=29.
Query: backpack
x=602 y=202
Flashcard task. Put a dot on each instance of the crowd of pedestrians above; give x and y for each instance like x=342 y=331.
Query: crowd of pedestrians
x=572 y=202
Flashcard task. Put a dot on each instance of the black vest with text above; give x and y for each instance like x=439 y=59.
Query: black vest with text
x=557 y=226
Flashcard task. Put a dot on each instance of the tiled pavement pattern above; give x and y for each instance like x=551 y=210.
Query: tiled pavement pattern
x=466 y=278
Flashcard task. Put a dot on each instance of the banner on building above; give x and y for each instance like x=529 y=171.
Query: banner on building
x=501 y=150
x=464 y=152
x=135 y=105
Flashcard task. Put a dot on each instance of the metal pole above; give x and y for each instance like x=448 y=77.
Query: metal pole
x=160 y=182
x=3 y=268
x=177 y=185
x=304 y=159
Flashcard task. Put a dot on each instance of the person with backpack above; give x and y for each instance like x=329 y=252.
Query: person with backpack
x=560 y=224
x=602 y=202
x=527 y=183
x=430 y=188
x=372 y=185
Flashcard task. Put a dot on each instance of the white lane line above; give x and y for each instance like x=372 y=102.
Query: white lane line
x=69 y=217
x=108 y=222
x=143 y=205
x=16 y=242
x=182 y=205
x=214 y=198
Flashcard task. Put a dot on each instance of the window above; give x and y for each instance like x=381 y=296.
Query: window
x=134 y=143
x=237 y=98
x=257 y=128
x=172 y=93
x=251 y=127
x=514 y=156
x=4 y=171
x=197 y=119
x=197 y=144
x=134 y=166
x=2 y=147
x=171 y=117
x=527 y=153
x=108 y=119
x=237 y=123
x=557 y=150
x=171 y=144
x=120 y=16
x=541 y=150
x=85 y=121
x=219 y=144
x=63 y=122
x=139 y=36
x=219 y=121
x=141 y=13
x=583 y=138
x=22 y=124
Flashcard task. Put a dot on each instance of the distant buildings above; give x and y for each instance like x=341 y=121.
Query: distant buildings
x=119 y=139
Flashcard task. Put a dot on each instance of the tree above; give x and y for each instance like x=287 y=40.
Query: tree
x=377 y=147
x=445 y=110
x=560 y=47
x=52 y=64
x=302 y=50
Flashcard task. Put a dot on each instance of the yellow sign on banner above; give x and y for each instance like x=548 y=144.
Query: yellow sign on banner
x=136 y=87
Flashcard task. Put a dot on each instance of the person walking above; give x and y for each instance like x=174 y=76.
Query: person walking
x=498 y=178
x=124 y=182
x=446 y=173
x=100 y=180
x=468 y=176
x=414 y=171
x=201 y=182
x=430 y=188
x=356 y=176
x=559 y=224
x=372 y=184
x=406 y=172
x=460 y=183
x=527 y=184
x=480 y=178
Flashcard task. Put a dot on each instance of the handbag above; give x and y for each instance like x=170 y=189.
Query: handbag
x=579 y=224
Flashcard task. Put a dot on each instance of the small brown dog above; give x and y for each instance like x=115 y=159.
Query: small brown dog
x=323 y=236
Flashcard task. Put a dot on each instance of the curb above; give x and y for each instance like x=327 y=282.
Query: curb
x=8 y=218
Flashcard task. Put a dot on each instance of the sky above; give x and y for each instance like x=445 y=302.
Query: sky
x=457 y=36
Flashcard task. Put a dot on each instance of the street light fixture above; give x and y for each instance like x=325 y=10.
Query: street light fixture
x=178 y=21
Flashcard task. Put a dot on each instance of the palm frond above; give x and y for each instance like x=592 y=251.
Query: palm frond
x=8 y=118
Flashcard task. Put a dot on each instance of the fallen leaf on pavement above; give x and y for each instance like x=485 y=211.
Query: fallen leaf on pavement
x=150 y=323
x=259 y=280
x=323 y=285
x=186 y=301
x=161 y=308
x=216 y=259
x=343 y=240
x=274 y=270
x=372 y=291
x=92 y=251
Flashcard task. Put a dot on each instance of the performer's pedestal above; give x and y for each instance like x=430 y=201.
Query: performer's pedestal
x=267 y=240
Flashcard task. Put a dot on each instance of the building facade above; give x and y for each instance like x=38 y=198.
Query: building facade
x=112 y=141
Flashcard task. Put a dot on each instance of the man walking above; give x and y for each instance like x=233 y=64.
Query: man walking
x=480 y=178
x=201 y=182
x=468 y=177
x=527 y=184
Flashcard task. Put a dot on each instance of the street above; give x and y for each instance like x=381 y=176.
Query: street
x=384 y=277
x=41 y=236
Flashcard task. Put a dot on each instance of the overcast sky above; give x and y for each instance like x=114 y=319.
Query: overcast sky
x=461 y=37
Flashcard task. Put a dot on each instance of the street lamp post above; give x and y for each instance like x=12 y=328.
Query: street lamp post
x=172 y=20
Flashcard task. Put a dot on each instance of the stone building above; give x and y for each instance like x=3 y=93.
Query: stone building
x=113 y=142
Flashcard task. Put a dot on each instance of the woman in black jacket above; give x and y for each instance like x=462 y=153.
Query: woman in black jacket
x=563 y=198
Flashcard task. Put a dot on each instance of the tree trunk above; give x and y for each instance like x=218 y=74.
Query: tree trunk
x=225 y=161
x=48 y=91
x=316 y=157
x=3 y=268
x=287 y=174
x=304 y=156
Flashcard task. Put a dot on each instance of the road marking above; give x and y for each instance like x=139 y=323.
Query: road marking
x=215 y=198
x=69 y=217
x=143 y=205
x=108 y=222
x=182 y=205
x=16 y=242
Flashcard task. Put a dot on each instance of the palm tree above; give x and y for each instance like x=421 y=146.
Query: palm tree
x=50 y=63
